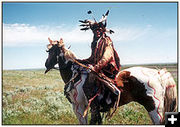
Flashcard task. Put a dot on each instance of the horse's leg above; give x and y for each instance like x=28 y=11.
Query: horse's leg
x=155 y=107
x=156 y=114
x=95 y=113
x=89 y=91
x=79 y=110
x=95 y=118
x=155 y=117
x=80 y=100
x=82 y=108
x=79 y=106
x=99 y=118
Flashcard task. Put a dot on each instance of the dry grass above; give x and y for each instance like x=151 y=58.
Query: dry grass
x=30 y=97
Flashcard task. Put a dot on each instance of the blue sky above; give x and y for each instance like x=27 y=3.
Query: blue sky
x=144 y=32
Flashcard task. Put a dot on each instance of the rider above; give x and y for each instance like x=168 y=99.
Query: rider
x=104 y=61
x=104 y=58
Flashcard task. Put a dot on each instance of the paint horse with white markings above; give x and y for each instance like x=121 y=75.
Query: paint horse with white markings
x=154 y=89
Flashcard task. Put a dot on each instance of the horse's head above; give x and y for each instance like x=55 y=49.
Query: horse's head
x=54 y=49
x=98 y=28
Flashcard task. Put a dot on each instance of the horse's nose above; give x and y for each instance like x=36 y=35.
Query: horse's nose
x=46 y=71
x=47 y=66
x=47 y=63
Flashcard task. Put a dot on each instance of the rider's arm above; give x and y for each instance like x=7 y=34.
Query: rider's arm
x=107 y=56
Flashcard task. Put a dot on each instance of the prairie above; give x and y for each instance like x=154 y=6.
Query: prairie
x=30 y=97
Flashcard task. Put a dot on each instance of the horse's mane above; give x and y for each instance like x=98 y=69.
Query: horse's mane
x=68 y=55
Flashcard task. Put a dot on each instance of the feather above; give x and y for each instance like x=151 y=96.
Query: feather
x=111 y=31
x=87 y=28
x=84 y=25
x=81 y=21
x=89 y=12
x=85 y=21
x=105 y=24
x=107 y=13
x=69 y=47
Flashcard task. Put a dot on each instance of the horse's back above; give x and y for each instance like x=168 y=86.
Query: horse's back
x=156 y=81
x=151 y=79
x=159 y=85
x=145 y=75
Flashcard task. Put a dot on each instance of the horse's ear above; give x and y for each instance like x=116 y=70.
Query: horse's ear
x=61 y=42
x=50 y=40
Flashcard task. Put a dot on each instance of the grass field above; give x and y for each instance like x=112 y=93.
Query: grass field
x=30 y=97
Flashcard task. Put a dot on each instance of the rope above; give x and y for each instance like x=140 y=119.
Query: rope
x=119 y=92
x=72 y=78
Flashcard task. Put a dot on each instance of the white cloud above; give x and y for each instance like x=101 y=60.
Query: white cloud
x=130 y=33
x=134 y=44
x=25 y=34
x=15 y=34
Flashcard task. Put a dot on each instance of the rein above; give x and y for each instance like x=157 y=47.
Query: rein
x=82 y=65
x=72 y=79
x=111 y=86
x=94 y=72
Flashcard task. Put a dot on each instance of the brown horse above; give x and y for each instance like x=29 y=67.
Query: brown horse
x=154 y=89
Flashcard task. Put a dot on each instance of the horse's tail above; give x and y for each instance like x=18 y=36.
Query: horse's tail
x=170 y=99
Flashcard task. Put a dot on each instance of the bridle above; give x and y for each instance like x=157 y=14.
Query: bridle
x=64 y=67
x=57 y=53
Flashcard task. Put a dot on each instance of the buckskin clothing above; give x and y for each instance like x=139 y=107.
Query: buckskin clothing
x=104 y=57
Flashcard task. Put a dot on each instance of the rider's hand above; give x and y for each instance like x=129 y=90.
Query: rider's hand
x=91 y=67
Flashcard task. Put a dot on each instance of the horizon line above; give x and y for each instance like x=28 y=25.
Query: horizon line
x=123 y=65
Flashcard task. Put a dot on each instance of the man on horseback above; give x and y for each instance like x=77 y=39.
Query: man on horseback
x=105 y=65
x=104 y=60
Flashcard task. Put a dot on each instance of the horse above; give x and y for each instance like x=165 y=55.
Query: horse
x=154 y=89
